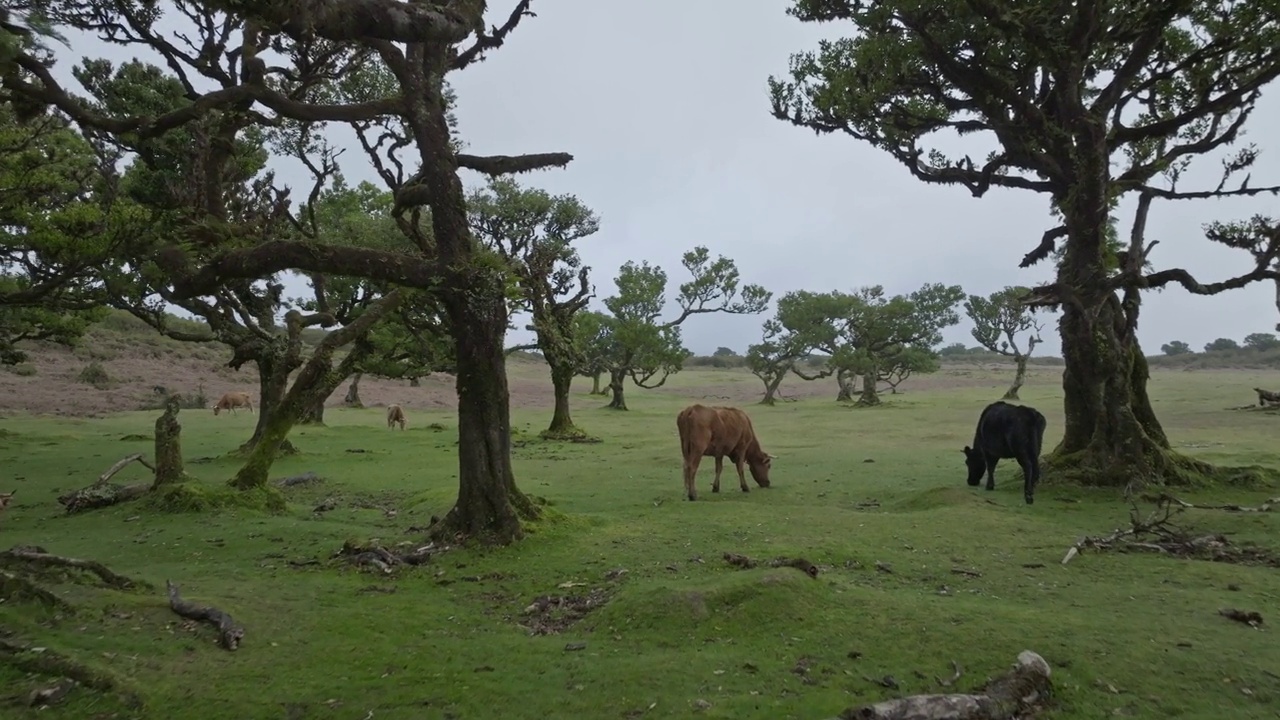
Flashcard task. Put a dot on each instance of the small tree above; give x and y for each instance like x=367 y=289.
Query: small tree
x=648 y=351
x=998 y=320
x=1175 y=347
x=1222 y=345
x=773 y=358
x=591 y=335
x=1261 y=341
x=534 y=231
x=910 y=361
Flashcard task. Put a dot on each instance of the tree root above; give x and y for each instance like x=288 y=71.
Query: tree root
x=230 y=634
x=103 y=493
x=44 y=661
x=18 y=588
x=745 y=563
x=1157 y=534
x=386 y=561
x=1013 y=695
x=37 y=556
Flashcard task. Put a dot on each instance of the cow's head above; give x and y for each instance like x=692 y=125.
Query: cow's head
x=217 y=409
x=759 y=466
x=976 y=464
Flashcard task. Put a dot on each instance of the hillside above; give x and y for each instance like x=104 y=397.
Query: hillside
x=137 y=360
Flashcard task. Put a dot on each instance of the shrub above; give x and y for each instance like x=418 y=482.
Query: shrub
x=94 y=374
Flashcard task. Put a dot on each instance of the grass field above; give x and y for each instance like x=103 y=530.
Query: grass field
x=682 y=634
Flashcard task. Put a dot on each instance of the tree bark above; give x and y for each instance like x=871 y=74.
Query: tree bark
x=415 y=382
x=273 y=382
x=595 y=385
x=561 y=422
x=771 y=389
x=489 y=506
x=616 y=386
x=1111 y=436
x=1019 y=377
x=845 y=380
x=314 y=415
x=169 y=467
x=353 y=392
x=869 y=394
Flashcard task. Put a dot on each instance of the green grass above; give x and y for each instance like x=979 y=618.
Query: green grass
x=680 y=625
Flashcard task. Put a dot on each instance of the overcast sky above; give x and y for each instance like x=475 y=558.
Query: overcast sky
x=664 y=106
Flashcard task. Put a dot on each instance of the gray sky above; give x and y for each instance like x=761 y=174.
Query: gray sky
x=665 y=107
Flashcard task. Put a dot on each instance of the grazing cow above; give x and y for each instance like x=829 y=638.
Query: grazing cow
x=395 y=414
x=1007 y=431
x=719 y=432
x=231 y=401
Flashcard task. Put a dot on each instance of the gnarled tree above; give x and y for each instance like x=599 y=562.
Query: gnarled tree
x=639 y=345
x=534 y=232
x=773 y=358
x=998 y=321
x=379 y=66
x=1086 y=102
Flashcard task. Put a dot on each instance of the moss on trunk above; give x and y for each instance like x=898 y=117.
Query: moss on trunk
x=168 y=439
x=562 y=427
x=616 y=386
x=869 y=395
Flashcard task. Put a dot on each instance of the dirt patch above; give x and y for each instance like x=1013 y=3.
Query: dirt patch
x=553 y=614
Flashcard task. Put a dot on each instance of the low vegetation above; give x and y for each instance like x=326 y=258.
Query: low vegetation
x=620 y=602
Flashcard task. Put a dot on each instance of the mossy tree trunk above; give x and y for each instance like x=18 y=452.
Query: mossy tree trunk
x=489 y=507
x=561 y=383
x=314 y=414
x=1019 y=378
x=317 y=380
x=352 y=398
x=273 y=382
x=169 y=466
x=772 y=381
x=617 y=379
x=845 y=379
x=595 y=384
x=870 y=394
x=1111 y=436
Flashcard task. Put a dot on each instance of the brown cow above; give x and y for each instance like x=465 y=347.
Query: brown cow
x=718 y=432
x=395 y=414
x=231 y=401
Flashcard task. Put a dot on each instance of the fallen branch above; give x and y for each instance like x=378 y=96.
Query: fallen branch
x=1157 y=534
x=1269 y=506
x=745 y=563
x=229 y=633
x=37 y=556
x=1013 y=695
x=384 y=560
x=103 y=493
x=306 y=478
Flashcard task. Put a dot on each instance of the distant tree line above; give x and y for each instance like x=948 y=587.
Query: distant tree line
x=1256 y=342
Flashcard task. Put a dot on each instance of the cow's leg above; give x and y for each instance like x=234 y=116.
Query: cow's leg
x=991 y=471
x=742 y=477
x=715 y=486
x=691 y=475
x=1030 y=476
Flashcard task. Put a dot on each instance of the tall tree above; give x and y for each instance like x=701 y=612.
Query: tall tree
x=1062 y=88
x=534 y=232
x=379 y=66
x=647 y=350
x=998 y=320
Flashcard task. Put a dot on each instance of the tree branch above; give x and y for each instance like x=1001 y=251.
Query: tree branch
x=355 y=20
x=495 y=165
x=492 y=41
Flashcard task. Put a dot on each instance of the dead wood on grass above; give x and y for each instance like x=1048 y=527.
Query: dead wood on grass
x=104 y=493
x=230 y=634
x=743 y=562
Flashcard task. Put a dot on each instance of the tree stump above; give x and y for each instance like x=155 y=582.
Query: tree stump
x=169 y=467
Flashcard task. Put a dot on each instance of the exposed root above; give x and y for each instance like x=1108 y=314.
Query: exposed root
x=230 y=635
x=103 y=493
x=1016 y=694
x=377 y=557
x=36 y=556
x=16 y=588
x=50 y=663
x=745 y=563
x=1157 y=534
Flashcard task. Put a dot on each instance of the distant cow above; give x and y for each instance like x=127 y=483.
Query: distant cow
x=231 y=401
x=1007 y=431
x=395 y=414
x=719 y=432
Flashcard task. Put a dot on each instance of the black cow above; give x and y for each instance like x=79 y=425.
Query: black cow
x=1007 y=431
